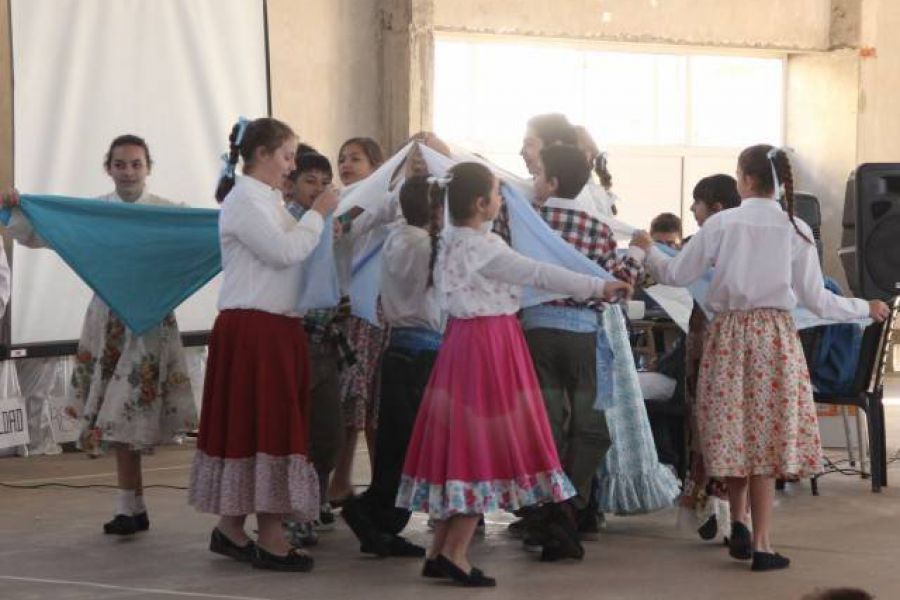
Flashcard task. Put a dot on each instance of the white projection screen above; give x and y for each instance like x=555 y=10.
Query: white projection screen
x=176 y=72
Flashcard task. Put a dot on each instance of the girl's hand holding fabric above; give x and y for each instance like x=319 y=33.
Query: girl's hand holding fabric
x=614 y=291
x=642 y=240
x=10 y=198
x=878 y=310
x=326 y=202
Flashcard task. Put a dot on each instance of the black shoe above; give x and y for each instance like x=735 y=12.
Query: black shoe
x=562 y=535
x=400 y=546
x=222 y=544
x=740 y=543
x=474 y=578
x=588 y=525
x=142 y=520
x=121 y=525
x=371 y=540
x=763 y=561
x=709 y=529
x=432 y=569
x=517 y=528
x=295 y=560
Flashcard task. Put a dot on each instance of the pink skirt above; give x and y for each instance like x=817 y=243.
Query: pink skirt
x=482 y=441
x=755 y=411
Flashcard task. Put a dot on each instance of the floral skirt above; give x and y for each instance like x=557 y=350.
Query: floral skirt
x=128 y=389
x=359 y=382
x=755 y=410
x=254 y=428
x=481 y=441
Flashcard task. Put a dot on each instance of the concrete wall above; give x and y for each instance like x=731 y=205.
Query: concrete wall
x=787 y=24
x=821 y=116
x=879 y=83
x=326 y=69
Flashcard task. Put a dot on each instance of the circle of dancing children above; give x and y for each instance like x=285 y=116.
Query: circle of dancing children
x=481 y=440
x=252 y=449
x=130 y=392
x=754 y=409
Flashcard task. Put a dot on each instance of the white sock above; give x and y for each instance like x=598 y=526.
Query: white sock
x=125 y=502
x=139 y=506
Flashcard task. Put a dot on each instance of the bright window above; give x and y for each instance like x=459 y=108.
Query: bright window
x=666 y=119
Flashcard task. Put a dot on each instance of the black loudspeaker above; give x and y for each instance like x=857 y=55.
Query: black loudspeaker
x=870 y=242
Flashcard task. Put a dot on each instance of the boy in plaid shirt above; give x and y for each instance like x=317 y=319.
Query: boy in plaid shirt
x=565 y=337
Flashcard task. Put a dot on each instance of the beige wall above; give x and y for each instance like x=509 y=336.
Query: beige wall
x=821 y=116
x=788 y=24
x=326 y=77
x=879 y=83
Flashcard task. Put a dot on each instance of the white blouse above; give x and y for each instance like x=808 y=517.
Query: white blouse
x=263 y=248
x=478 y=275
x=406 y=299
x=760 y=262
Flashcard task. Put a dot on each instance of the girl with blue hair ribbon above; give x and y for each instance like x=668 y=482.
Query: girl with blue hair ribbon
x=253 y=444
x=130 y=392
x=755 y=414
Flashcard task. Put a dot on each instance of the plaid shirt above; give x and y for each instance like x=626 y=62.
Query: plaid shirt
x=594 y=239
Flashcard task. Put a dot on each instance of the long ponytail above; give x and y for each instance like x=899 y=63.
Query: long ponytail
x=770 y=169
x=435 y=219
x=785 y=175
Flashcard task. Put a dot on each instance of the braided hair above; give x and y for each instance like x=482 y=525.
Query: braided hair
x=760 y=162
x=243 y=142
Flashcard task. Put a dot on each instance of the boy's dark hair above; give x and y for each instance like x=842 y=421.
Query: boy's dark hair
x=553 y=128
x=568 y=165
x=266 y=132
x=308 y=159
x=127 y=140
x=665 y=223
x=718 y=189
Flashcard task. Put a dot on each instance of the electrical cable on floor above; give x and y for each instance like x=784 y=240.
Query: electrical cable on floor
x=35 y=486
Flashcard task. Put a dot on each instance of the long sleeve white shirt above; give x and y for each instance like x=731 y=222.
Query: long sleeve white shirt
x=406 y=298
x=263 y=248
x=478 y=275
x=760 y=262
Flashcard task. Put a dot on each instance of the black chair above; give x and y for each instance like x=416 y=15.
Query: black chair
x=867 y=394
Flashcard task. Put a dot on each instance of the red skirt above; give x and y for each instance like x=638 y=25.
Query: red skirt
x=254 y=424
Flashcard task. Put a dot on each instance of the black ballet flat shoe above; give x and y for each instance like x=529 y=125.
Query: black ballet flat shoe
x=709 y=529
x=474 y=578
x=432 y=569
x=739 y=544
x=372 y=541
x=295 y=561
x=121 y=525
x=222 y=544
x=142 y=520
x=764 y=561
x=402 y=547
